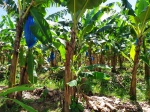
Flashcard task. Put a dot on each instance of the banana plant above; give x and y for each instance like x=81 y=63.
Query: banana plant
x=116 y=43
x=108 y=33
x=76 y=9
x=19 y=30
x=89 y=21
x=7 y=30
x=31 y=15
x=139 y=22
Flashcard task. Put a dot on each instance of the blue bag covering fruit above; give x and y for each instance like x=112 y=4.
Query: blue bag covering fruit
x=30 y=38
x=51 y=57
x=86 y=54
x=92 y=58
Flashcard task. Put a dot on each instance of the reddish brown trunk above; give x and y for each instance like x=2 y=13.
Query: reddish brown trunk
x=14 y=61
x=113 y=63
x=79 y=61
x=96 y=61
x=134 y=71
x=23 y=80
x=69 y=91
x=120 y=62
x=102 y=61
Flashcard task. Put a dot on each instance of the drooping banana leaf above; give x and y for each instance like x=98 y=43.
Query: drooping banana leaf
x=41 y=28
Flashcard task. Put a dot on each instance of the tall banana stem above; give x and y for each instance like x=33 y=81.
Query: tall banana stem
x=134 y=71
x=14 y=61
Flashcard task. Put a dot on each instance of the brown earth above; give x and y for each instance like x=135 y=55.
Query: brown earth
x=47 y=100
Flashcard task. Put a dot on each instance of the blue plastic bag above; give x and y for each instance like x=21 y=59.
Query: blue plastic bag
x=92 y=58
x=30 y=38
x=86 y=54
x=51 y=57
x=48 y=59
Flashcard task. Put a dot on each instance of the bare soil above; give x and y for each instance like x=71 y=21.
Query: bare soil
x=47 y=100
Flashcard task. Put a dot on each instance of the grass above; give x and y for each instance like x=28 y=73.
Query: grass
x=119 y=86
x=46 y=80
x=3 y=83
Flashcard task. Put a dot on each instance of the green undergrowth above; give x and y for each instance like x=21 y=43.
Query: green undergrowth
x=118 y=86
x=50 y=82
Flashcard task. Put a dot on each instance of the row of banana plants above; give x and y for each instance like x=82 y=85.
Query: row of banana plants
x=85 y=42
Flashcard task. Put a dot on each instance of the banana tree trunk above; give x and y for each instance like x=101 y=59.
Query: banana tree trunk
x=113 y=63
x=79 y=61
x=120 y=61
x=14 y=61
x=23 y=80
x=101 y=61
x=69 y=91
x=134 y=71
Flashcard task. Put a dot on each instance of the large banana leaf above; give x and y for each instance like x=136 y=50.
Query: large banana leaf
x=89 y=14
x=42 y=3
x=145 y=60
x=140 y=6
x=141 y=20
x=145 y=15
x=95 y=75
x=134 y=19
x=15 y=89
x=29 y=108
x=91 y=20
x=77 y=5
x=62 y=52
x=10 y=22
x=61 y=47
x=41 y=28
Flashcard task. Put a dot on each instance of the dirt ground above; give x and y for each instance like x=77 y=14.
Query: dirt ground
x=47 y=100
